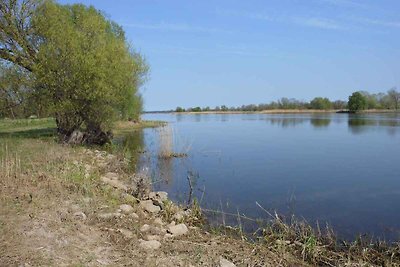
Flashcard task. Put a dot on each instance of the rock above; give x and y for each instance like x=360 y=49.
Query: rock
x=152 y=237
x=126 y=233
x=157 y=231
x=129 y=198
x=126 y=209
x=158 y=222
x=158 y=198
x=168 y=236
x=171 y=224
x=148 y=206
x=79 y=215
x=109 y=216
x=112 y=175
x=76 y=138
x=150 y=245
x=225 y=263
x=114 y=183
x=178 y=230
x=134 y=216
x=145 y=228
x=179 y=216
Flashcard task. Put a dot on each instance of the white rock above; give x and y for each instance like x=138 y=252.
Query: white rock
x=148 y=206
x=150 y=245
x=126 y=233
x=158 y=222
x=79 y=215
x=145 y=228
x=160 y=195
x=134 y=216
x=126 y=209
x=178 y=216
x=152 y=237
x=178 y=230
x=112 y=175
x=114 y=183
x=108 y=216
x=225 y=263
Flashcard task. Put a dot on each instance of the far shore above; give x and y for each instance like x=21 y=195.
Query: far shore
x=280 y=111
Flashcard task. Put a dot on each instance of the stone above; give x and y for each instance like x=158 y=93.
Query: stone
x=134 y=216
x=225 y=263
x=166 y=236
x=79 y=215
x=149 y=245
x=157 y=230
x=126 y=233
x=152 y=237
x=129 y=198
x=179 y=216
x=109 y=216
x=158 y=198
x=126 y=209
x=148 y=206
x=158 y=222
x=144 y=228
x=178 y=230
x=114 y=183
x=112 y=175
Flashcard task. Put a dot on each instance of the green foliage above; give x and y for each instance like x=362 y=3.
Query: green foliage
x=85 y=67
x=394 y=98
x=321 y=103
x=85 y=73
x=357 y=102
x=179 y=109
x=196 y=109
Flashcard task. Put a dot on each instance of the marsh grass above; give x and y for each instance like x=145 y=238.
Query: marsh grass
x=167 y=139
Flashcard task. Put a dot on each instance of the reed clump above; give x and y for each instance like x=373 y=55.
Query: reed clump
x=322 y=247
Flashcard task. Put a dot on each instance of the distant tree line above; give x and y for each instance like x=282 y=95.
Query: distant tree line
x=360 y=100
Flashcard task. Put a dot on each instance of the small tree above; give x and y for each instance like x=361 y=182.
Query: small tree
x=394 y=97
x=83 y=68
x=321 y=103
x=179 y=109
x=357 y=102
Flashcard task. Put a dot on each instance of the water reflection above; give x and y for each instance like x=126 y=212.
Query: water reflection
x=320 y=122
x=131 y=145
x=345 y=174
x=359 y=124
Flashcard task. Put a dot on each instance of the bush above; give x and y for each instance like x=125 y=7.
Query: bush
x=357 y=102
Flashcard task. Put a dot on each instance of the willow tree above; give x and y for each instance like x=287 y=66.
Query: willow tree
x=83 y=67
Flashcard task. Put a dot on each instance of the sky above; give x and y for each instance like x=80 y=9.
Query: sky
x=229 y=52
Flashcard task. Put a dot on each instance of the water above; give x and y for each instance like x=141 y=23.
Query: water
x=339 y=169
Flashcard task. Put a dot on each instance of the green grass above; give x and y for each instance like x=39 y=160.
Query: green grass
x=28 y=128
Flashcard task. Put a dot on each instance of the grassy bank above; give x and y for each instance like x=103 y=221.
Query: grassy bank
x=53 y=207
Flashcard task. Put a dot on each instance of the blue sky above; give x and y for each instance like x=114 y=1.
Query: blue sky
x=208 y=53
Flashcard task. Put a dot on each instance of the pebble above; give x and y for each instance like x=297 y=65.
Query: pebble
x=178 y=230
x=150 y=245
x=148 y=206
x=225 y=263
x=145 y=228
x=126 y=233
x=79 y=215
x=126 y=209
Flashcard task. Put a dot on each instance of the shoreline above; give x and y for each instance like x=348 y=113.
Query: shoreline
x=89 y=199
x=279 y=111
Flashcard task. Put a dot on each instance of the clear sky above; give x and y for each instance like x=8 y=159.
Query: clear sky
x=208 y=53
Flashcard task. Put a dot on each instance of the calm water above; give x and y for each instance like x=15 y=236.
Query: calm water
x=338 y=168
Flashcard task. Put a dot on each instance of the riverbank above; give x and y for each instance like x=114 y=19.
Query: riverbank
x=282 y=111
x=76 y=206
